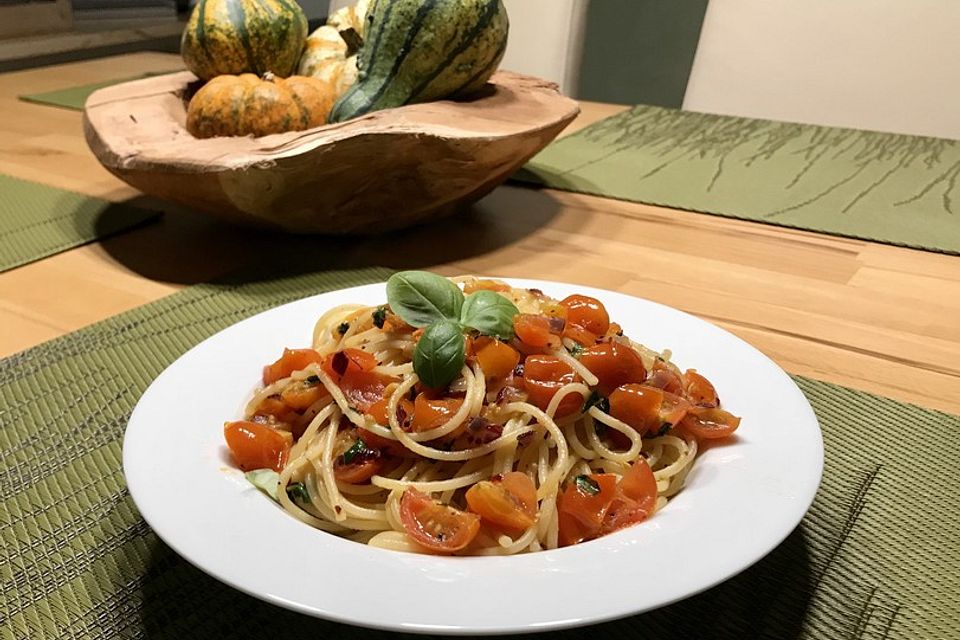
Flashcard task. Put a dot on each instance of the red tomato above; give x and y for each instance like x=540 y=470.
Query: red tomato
x=274 y=407
x=673 y=409
x=355 y=463
x=430 y=414
x=638 y=406
x=583 y=505
x=338 y=364
x=588 y=313
x=639 y=484
x=436 y=526
x=364 y=389
x=256 y=446
x=496 y=358
x=291 y=360
x=614 y=364
x=699 y=390
x=543 y=376
x=534 y=331
x=709 y=423
x=508 y=501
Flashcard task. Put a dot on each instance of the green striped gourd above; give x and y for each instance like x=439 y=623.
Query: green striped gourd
x=327 y=54
x=423 y=50
x=244 y=36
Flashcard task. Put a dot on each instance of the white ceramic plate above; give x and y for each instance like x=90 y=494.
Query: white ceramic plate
x=745 y=496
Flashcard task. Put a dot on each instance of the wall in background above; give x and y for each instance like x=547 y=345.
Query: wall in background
x=640 y=51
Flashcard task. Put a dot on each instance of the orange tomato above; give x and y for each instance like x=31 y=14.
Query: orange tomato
x=496 y=358
x=430 y=414
x=543 y=376
x=579 y=335
x=638 y=406
x=583 y=505
x=256 y=446
x=615 y=364
x=588 y=313
x=709 y=423
x=663 y=377
x=534 y=331
x=291 y=360
x=338 y=364
x=699 y=390
x=354 y=462
x=301 y=394
x=436 y=526
x=508 y=501
x=274 y=407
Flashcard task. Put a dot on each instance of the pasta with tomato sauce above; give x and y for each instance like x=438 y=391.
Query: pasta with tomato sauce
x=469 y=417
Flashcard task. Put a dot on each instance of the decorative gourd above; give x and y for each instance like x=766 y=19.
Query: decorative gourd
x=243 y=36
x=423 y=50
x=248 y=105
x=328 y=54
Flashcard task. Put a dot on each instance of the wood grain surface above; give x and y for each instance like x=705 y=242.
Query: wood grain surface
x=874 y=317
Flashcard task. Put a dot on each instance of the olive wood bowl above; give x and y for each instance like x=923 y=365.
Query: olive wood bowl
x=383 y=171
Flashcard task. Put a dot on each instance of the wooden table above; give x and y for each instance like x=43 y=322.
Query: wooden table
x=870 y=316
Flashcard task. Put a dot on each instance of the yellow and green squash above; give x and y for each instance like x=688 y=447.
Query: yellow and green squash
x=244 y=36
x=422 y=50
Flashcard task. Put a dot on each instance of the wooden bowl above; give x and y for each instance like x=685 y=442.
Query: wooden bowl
x=383 y=171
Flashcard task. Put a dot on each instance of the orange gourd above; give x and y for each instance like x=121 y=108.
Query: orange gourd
x=249 y=105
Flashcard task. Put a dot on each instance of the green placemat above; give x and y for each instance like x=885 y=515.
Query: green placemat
x=76 y=97
x=882 y=187
x=37 y=220
x=877 y=556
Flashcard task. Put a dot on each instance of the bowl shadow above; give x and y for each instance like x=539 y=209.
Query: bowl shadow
x=186 y=247
x=768 y=600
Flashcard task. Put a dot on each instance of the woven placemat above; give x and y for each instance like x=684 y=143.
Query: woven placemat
x=76 y=97
x=877 y=556
x=37 y=221
x=883 y=187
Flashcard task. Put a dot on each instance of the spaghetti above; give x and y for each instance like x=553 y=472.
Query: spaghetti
x=553 y=430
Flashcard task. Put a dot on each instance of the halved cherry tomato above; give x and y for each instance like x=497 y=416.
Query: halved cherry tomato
x=587 y=312
x=430 y=414
x=709 y=423
x=673 y=409
x=484 y=285
x=579 y=335
x=543 y=376
x=354 y=463
x=638 y=406
x=639 y=484
x=275 y=408
x=663 y=377
x=699 y=390
x=615 y=364
x=338 y=364
x=436 y=526
x=508 y=501
x=496 y=358
x=583 y=505
x=363 y=389
x=533 y=330
x=301 y=394
x=378 y=411
x=256 y=446
x=291 y=360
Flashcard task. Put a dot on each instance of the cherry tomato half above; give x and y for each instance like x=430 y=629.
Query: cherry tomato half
x=291 y=360
x=256 y=446
x=614 y=364
x=583 y=505
x=508 y=501
x=436 y=526
x=543 y=376
x=709 y=423
x=699 y=390
x=587 y=312
x=496 y=358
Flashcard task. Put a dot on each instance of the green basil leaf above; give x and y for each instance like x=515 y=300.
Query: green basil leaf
x=358 y=449
x=379 y=317
x=267 y=480
x=298 y=492
x=587 y=485
x=440 y=354
x=489 y=313
x=421 y=298
x=598 y=401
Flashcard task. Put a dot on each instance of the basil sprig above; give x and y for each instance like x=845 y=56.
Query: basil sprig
x=489 y=313
x=440 y=354
x=432 y=302
x=422 y=298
